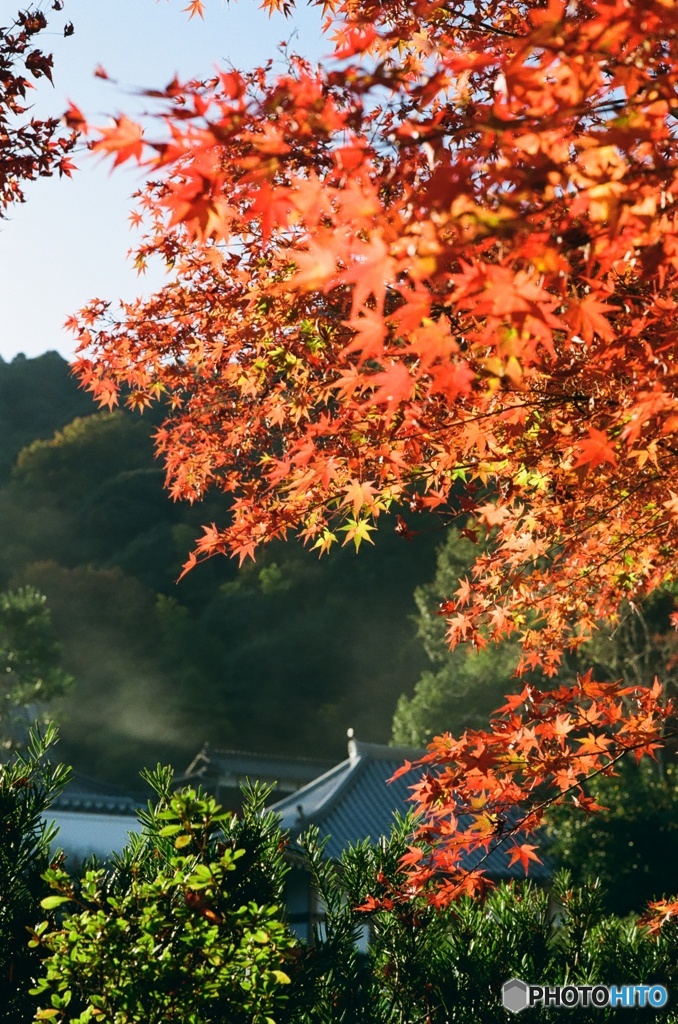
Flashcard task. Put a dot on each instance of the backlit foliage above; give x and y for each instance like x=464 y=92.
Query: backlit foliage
x=439 y=269
x=447 y=255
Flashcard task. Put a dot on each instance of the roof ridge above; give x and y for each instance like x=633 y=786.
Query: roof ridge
x=384 y=752
x=219 y=751
x=92 y=785
x=360 y=754
x=348 y=768
x=355 y=768
x=292 y=799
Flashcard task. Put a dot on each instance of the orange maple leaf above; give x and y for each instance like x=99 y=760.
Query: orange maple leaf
x=595 y=449
x=658 y=913
x=586 y=318
x=358 y=494
x=404 y=768
x=124 y=139
x=592 y=744
x=394 y=386
x=413 y=856
x=524 y=853
x=195 y=7
x=370 y=332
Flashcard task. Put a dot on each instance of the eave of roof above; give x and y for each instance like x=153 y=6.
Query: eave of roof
x=88 y=795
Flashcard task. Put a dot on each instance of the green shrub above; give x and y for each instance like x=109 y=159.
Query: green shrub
x=183 y=928
x=28 y=784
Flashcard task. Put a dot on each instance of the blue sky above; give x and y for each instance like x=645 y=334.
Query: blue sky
x=68 y=242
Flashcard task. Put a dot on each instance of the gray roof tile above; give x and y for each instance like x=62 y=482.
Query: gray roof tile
x=354 y=801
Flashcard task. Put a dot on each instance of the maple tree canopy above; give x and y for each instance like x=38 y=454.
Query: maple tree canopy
x=30 y=147
x=438 y=270
x=446 y=257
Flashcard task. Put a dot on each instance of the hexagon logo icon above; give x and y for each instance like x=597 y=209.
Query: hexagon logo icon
x=514 y=995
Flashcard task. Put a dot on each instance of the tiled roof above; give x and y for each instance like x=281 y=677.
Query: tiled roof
x=247 y=764
x=93 y=796
x=353 y=801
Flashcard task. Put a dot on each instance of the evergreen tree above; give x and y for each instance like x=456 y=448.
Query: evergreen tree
x=32 y=677
x=29 y=782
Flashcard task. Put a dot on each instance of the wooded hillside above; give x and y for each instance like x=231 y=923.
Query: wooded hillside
x=281 y=655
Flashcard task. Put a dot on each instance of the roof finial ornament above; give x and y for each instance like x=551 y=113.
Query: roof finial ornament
x=352 y=744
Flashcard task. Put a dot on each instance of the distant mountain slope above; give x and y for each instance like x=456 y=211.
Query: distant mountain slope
x=37 y=397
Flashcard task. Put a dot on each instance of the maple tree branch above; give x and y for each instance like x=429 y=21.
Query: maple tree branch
x=603 y=770
x=481 y=27
x=575 y=535
x=515 y=830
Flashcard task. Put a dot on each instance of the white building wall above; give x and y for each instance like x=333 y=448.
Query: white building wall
x=83 y=834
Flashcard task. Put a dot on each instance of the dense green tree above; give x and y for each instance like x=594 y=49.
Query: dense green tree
x=87 y=453
x=463 y=686
x=282 y=655
x=460 y=695
x=330 y=643
x=53 y=491
x=124 y=707
x=639 y=645
x=32 y=676
x=632 y=844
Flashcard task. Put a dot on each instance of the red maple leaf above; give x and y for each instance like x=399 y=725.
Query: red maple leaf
x=595 y=449
x=524 y=853
x=123 y=140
